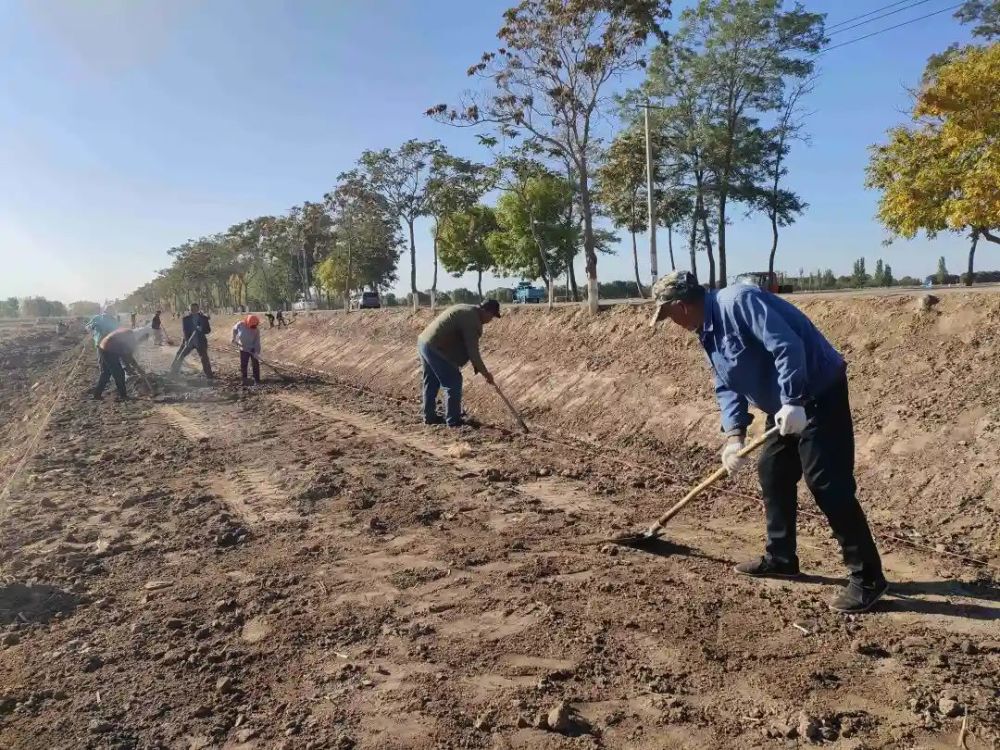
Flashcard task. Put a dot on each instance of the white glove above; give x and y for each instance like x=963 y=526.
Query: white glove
x=791 y=420
x=731 y=459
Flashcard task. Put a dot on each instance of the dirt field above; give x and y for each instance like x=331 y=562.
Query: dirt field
x=305 y=565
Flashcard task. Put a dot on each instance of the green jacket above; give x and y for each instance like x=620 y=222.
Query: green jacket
x=454 y=334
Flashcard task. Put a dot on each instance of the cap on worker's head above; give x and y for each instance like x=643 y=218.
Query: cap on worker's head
x=676 y=286
x=491 y=306
x=252 y=321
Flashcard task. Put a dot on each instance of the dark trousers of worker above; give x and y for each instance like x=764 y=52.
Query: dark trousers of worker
x=186 y=348
x=824 y=455
x=111 y=367
x=440 y=374
x=248 y=358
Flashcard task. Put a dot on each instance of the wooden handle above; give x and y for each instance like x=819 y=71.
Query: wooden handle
x=510 y=406
x=708 y=482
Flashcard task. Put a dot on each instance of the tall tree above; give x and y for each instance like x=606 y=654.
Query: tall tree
x=621 y=189
x=942 y=272
x=780 y=205
x=744 y=52
x=401 y=177
x=549 y=80
x=455 y=184
x=366 y=240
x=532 y=231
x=463 y=242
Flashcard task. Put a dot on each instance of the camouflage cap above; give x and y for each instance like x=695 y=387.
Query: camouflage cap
x=676 y=285
x=672 y=287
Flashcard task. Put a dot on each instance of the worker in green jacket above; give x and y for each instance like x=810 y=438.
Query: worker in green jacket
x=445 y=346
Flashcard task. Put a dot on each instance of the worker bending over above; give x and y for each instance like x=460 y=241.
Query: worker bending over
x=196 y=329
x=100 y=326
x=246 y=336
x=444 y=346
x=117 y=351
x=764 y=351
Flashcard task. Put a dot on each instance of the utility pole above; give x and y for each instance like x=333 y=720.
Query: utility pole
x=650 y=198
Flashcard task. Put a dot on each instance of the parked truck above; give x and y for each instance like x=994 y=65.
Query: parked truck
x=767 y=281
x=528 y=294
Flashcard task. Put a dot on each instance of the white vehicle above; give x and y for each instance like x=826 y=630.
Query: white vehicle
x=305 y=304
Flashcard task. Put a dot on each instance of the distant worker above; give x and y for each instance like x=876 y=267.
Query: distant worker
x=246 y=336
x=764 y=351
x=196 y=329
x=132 y=316
x=117 y=352
x=157 y=329
x=445 y=346
x=100 y=326
x=270 y=319
x=281 y=319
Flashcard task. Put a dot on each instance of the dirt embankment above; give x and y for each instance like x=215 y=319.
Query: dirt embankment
x=923 y=387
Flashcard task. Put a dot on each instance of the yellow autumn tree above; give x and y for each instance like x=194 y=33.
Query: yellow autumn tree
x=943 y=172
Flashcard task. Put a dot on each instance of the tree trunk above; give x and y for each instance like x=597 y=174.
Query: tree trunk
x=635 y=265
x=572 y=283
x=434 y=281
x=347 y=279
x=722 y=241
x=708 y=242
x=588 y=241
x=413 y=266
x=774 y=246
x=972 y=257
x=694 y=244
x=670 y=246
x=479 y=286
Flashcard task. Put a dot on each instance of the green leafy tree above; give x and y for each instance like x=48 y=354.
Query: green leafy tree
x=878 y=277
x=859 y=276
x=40 y=307
x=549 y=79
x=9 y=308
x=455 y=184
x=941 y=277
x=728 y=65
x=463 y=242
x=887 y=278
x=531 y=228
x=621 y=189
x=366 y=241
x=402 y=178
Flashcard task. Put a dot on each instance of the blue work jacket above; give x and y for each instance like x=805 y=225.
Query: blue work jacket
x=763 y=351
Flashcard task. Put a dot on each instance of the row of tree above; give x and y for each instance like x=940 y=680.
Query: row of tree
x=705 y=136
x=721 y=98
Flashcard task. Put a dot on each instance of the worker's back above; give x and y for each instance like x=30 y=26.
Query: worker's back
x=454 y=332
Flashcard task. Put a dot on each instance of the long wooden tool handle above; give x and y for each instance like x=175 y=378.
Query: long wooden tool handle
x=708 y=482
x=510 y=406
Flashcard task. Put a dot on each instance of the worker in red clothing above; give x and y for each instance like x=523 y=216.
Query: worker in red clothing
x=246 y=335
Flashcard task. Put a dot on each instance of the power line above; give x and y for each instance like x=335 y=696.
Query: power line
x=869 y=13
x=889 y=28
x=876 y=18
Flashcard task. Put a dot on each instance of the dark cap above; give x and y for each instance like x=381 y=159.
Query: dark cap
x=492 y=307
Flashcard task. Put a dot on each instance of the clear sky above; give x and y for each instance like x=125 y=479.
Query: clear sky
x=129 y=126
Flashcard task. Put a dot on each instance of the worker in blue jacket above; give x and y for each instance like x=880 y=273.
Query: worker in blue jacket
x=764 y=351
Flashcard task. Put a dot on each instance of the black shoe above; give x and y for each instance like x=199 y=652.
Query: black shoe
x=436 y=419
x=859 y=597
x=764 y=567
x=462 y=423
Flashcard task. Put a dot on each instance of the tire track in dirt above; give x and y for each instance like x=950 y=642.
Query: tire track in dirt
x=247 y=489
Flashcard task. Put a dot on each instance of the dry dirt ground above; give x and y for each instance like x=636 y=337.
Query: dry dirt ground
x=305 y=565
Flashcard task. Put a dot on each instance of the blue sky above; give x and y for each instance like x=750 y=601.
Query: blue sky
x=129 y=126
